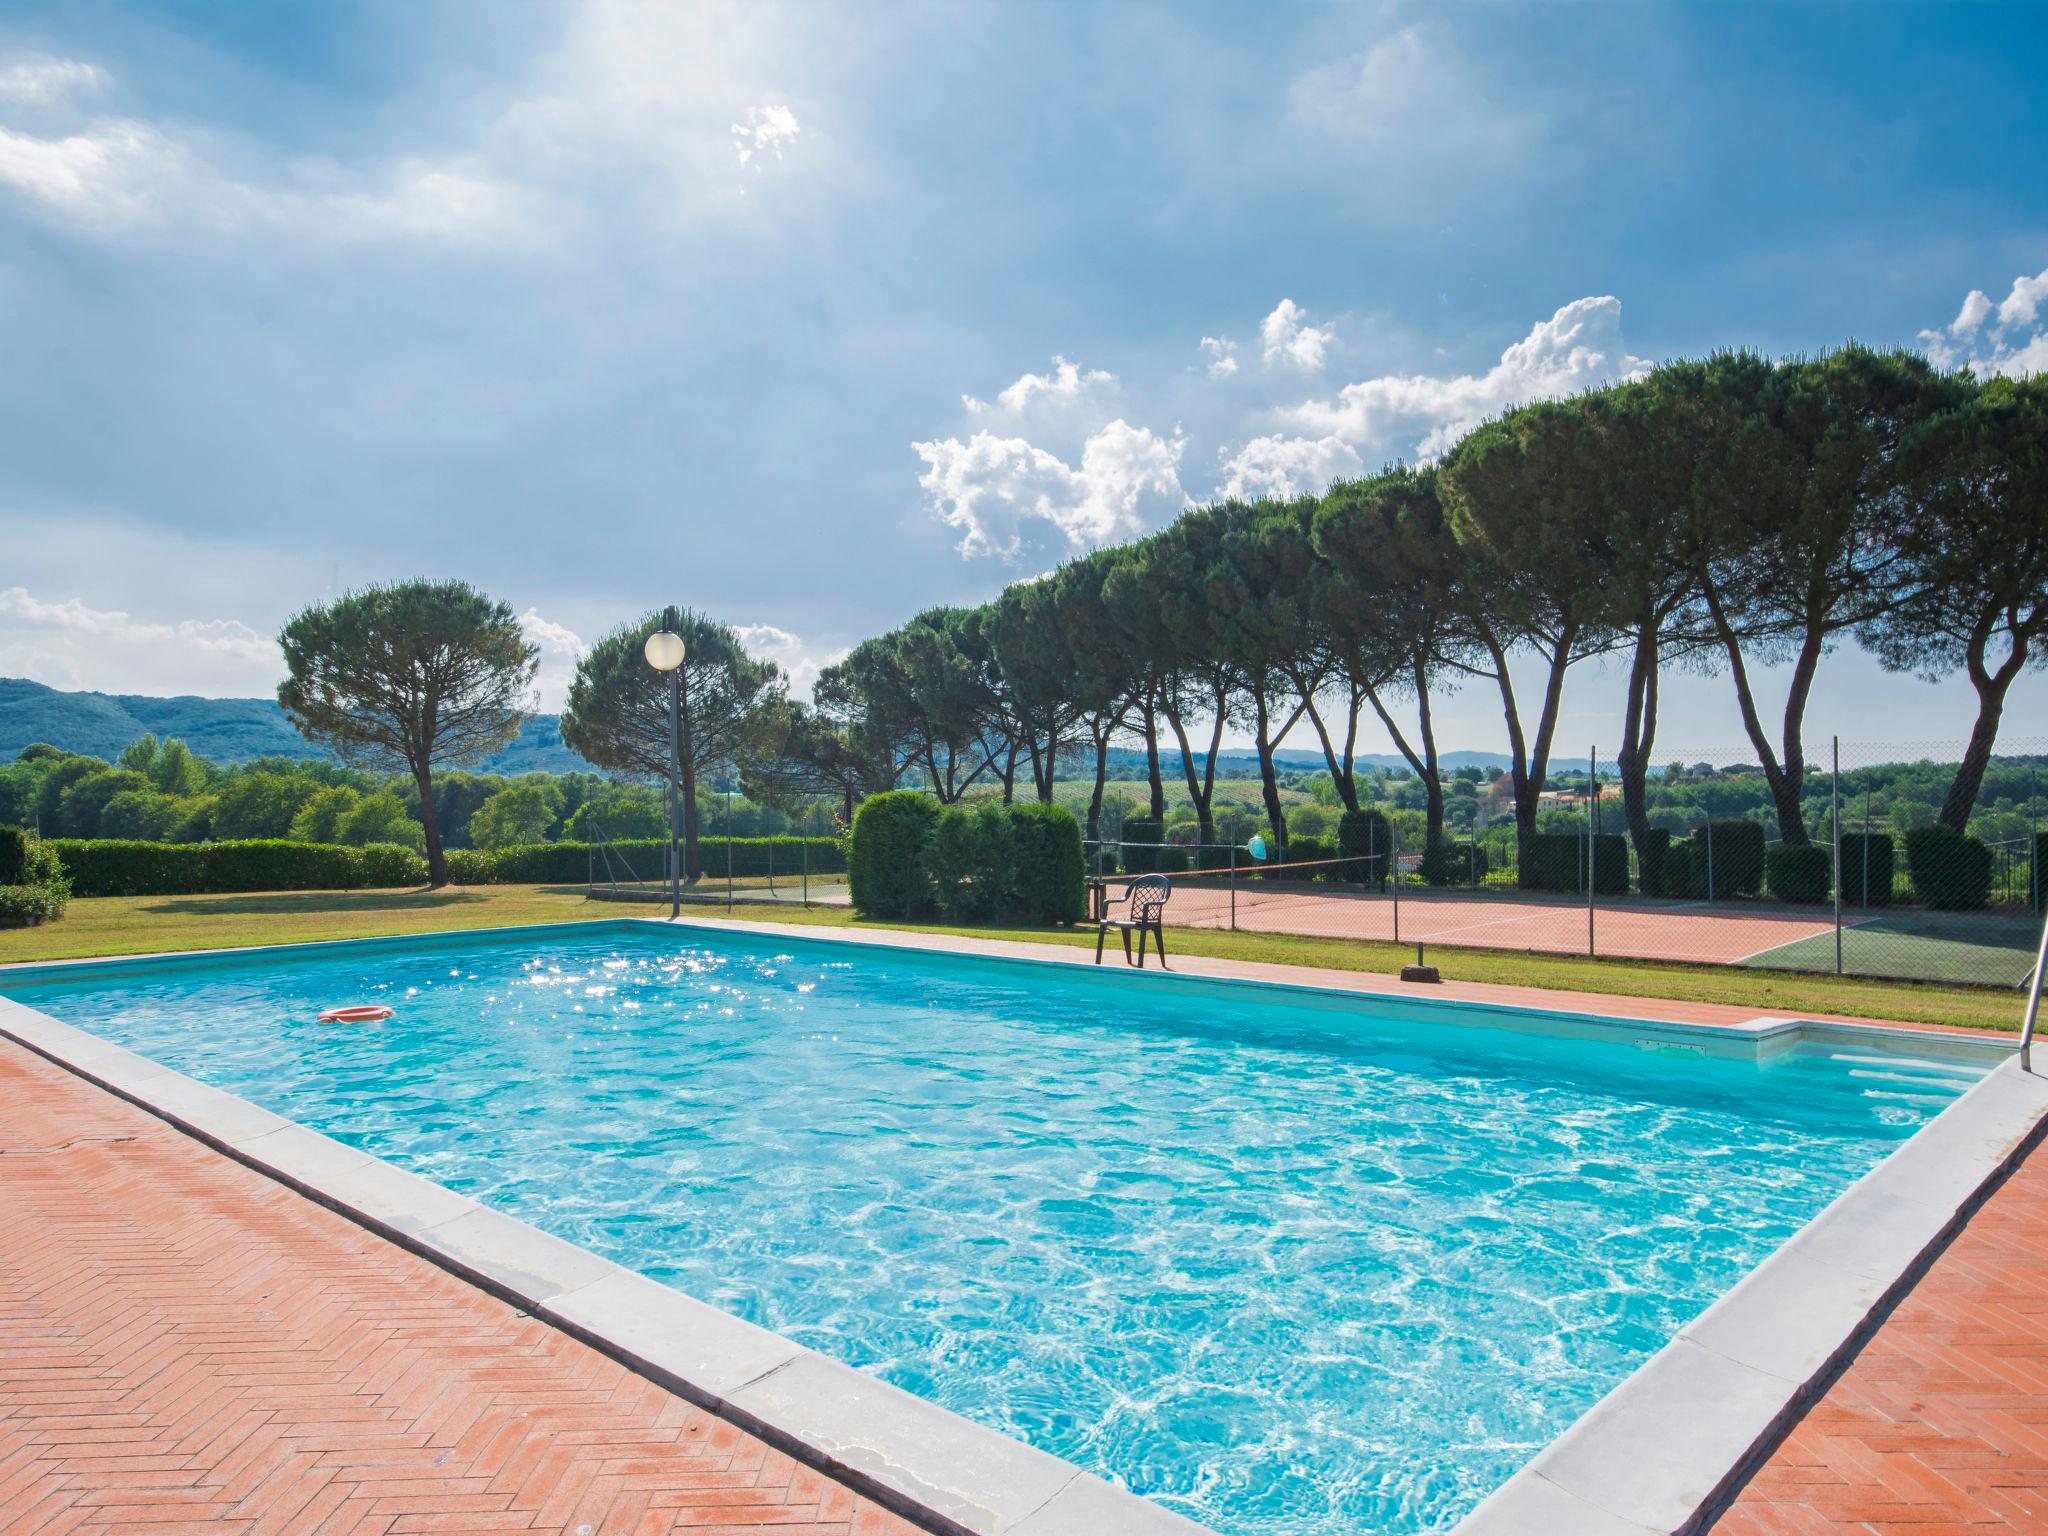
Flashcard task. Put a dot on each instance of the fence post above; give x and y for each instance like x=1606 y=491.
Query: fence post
x=2034 y=835
x=1394 y=874
x=1233 y=886
x=807 y=871
x=1835 y=816
x=728 y=837
x=1710 y=854
x=1592 y=847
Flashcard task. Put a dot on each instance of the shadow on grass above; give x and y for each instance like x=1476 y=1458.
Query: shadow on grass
x=286 y=903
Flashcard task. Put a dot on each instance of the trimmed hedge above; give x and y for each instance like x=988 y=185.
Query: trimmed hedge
x=1736 y=858
x=1368 y=836
x=1867 y=853
x=887 y=866
x=647 y=857
x=1651 y=853
x=1139 y=860
x=1951 y=872
x=1556 y=861
x=1800 y=872
x=13 y=856
x=1048 y=879
x=969 y=858
x=982 y=863
x=107 y=867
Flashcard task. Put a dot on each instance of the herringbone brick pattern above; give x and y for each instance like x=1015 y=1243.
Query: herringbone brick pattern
x=187 y=1347
x=1940 y=1424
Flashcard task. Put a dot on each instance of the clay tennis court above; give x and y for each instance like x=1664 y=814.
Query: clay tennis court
x=1723 y=934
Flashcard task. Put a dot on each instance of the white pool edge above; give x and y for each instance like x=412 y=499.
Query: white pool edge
x=1655 y=1455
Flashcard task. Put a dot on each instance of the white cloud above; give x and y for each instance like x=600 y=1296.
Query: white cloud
x=117 y=176
x=992 y=488
x=560 y=649
x=1287 y=337
x=67 y=644
x=1222 y=356
x=1066 y=384
x=2006 y=339
x=800 y=662
x=1287 y=466
x=766 y=131
x=36 y=79
x=1578 y=348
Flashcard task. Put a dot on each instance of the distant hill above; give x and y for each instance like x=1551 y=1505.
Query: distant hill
x=220 y=730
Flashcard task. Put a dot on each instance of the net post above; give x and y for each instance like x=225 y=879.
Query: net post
x=807 y=870
x=1233 y=887
x=1592 y=872
x=1835 y=817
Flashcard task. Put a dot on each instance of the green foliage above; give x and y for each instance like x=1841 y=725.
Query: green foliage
x=1734 y=849
x=1950 y=871
x=1454 y=864
x=141 y=815
x=33 y=886
x=970 y=859
x=1138 y=830
x=644 y=859
x=617 y=813
x=1367 y=836
x=381 y=818
x=1048 y=876
x=1799 y=872
x=887 y=867
x=522 y=812
x=260 y=805
x=104 y=867
x=319 y=819
x=1867 y=861
x=1302 y=848
x=1556 y=861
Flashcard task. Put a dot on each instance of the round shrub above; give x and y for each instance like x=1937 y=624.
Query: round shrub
x=1952 y=872
x=36 y=889
x=1799 y=872
x=886 y=867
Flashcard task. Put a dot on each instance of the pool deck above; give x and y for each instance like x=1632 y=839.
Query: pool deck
x=188 y=1344
x=188 y=1347
x=1940 y=1422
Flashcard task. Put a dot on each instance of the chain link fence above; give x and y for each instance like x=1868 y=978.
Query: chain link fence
x=1863 y=862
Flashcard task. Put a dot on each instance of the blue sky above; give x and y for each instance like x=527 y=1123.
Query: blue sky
x=813 y=316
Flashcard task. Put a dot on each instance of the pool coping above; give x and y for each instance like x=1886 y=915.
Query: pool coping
x=1655 y=1455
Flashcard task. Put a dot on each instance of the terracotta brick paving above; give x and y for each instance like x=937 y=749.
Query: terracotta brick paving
x=1940 y=1423
x=187 y=1347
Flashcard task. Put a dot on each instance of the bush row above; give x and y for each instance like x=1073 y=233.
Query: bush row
x=643 y=859
x=911 y=857
x=105 y=867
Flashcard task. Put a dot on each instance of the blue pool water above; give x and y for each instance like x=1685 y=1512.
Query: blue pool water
x=1290 y=1266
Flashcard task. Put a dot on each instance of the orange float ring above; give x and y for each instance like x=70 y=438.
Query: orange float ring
x=368 y=1013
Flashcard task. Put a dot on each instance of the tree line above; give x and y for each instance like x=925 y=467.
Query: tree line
x=1718 y=515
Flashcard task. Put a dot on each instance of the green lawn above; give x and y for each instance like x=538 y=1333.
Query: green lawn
x=124 y=925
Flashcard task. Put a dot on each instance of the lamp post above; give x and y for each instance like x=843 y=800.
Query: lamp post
x=664 y=651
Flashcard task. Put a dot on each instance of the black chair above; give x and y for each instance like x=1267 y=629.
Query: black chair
x=1146 y=897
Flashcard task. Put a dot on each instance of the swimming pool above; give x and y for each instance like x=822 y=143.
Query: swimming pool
x=1282 y=1261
